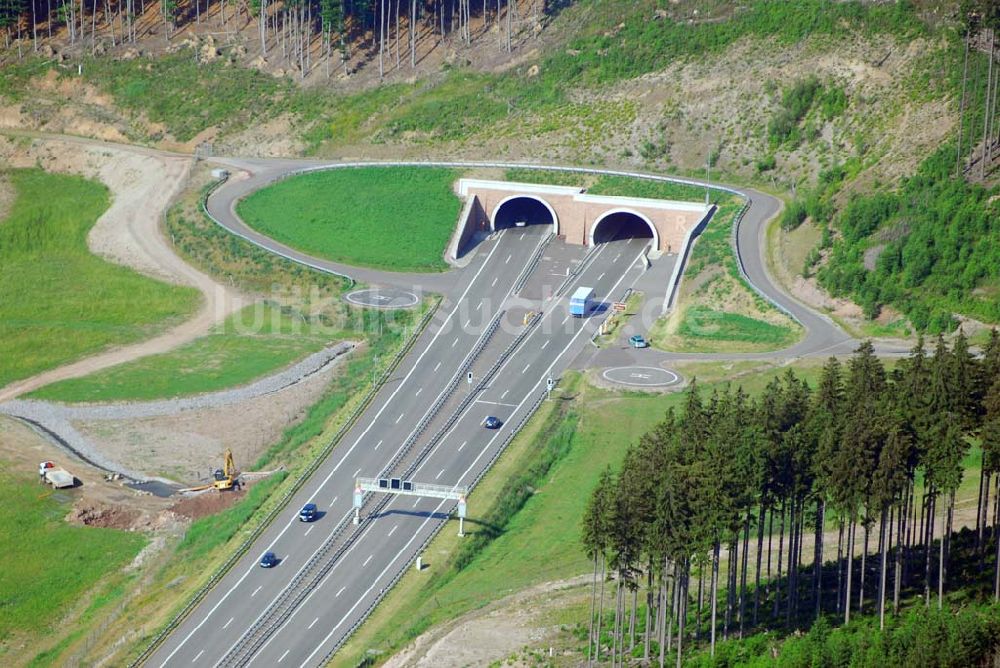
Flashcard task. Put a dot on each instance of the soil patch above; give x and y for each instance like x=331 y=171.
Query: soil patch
x=205 y=503
x=6 y=197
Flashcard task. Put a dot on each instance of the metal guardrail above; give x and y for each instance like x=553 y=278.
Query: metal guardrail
x=530 y=267
x=625 y=295
x=739 y=261
x=283 y=501
x=254 y=242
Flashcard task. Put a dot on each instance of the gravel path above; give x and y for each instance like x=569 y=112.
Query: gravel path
x=57 y=419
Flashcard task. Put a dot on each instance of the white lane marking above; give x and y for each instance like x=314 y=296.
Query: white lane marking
x=347 y=454
x=340 y=592
x=493 y=403
x=439 y=474
x=565 y=319
x=311 y=527
x=378 y=444
x=468 y=322
x=282 y=657
x=334 y=500
x=480 y=306
x=228 y=623
x=356 y=473
x=417 y=393
x=494 y=283
x=546 y=343
x=256 y=590
x=400 y=417
x=438 y=366
x=462 y=446
x=522 y=236
x=508 y=258
x=195 y=659
x=504 y=394
x=392 y=530
x=526 y=367
x=616 y=257
x=454 y=342
x=416 y=502
x=601 y=276
x=313 y=623
x=367 y=560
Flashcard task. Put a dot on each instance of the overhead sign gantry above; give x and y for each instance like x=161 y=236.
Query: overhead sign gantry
x=410 y=488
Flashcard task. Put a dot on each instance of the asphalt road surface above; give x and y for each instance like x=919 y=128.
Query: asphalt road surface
x=425 y=424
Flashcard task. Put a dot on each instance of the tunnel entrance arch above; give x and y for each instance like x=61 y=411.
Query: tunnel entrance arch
x=527 y=208
x=623 y=224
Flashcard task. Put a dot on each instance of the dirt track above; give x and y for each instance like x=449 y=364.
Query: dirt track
x=142 y=182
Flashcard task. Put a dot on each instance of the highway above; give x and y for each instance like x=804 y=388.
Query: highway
x=247 y=617
x=425 y=424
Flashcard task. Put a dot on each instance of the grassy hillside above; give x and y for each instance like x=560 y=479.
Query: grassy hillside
x=60 y=302
x=49 y=565
x=253 y=343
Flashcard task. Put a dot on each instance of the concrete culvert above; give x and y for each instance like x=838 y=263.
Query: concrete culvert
x=616 y=225
x=521 y=211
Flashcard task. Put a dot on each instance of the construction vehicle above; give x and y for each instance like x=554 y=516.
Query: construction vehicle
x=57 y=477
x=225 y=478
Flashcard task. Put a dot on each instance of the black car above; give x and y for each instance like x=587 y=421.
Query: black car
x=269 y=560
x=492 y=422
x=308 y=513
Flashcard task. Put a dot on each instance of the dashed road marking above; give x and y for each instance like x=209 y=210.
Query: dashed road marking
x=462 y=446
x=367 y=560
x=334 y=500
x=504 y=394
x=340 y=592
x=453 y=343
x=393 y=530
x=546 y=343
x=228 y=623
x=314 y=622
x=437 y=366
x=526 y=367
x=600 y=277
x=416 y=502
x=417 y=393
x=400 y=417
x=378 y=444
x=439 y=474
x=495 y=279
x=508 y=258
x=311 y=527
x=282 y=657
x=195 y=659
x=356 y=473
x=256 y=590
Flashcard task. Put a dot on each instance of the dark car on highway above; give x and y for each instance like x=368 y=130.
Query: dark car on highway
x=492 y=422
x=308 y=513
x=269 y=560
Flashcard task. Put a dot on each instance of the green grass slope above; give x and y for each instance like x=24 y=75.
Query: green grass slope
x=57 y=301
x=395 y=218
x=48 y=563
x=253 y=343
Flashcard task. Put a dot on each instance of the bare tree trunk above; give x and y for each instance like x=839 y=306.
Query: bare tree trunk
x=593 y=607
x=715 y=592
x=781 y=546
x=743 y=574
x=850 y=569
x=881 y=584
x=818 y=557
x=928 y=541
x=600 y=611
x=683 y=611
x=840 y=562
x=986 y=118
x=861 y=577
x=760 y=554
x=961 y=107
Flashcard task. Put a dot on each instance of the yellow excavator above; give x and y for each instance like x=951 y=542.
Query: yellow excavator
x=227 y=477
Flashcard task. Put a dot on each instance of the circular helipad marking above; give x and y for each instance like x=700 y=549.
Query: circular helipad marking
x=383 y=298
x=641 y=376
